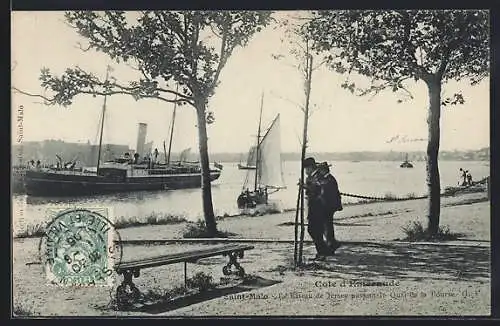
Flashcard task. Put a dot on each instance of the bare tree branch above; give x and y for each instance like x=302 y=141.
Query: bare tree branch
x=177 y=30
x=444 y=63
x=376 y=89
x=53 y=101
x=46 y=99
x=287 y=100
x=320 y=64
x=80 y=46
x=132 y=89
x=407 y=91
x=214 y=32
x=222 y=57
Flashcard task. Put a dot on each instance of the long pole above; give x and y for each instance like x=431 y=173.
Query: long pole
x=171 y=134
x=102 y=125
x=257 y=149
x=172 y=129
x=296 y=229
x=304 y=146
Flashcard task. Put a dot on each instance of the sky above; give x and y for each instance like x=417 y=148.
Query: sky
x=340 y=121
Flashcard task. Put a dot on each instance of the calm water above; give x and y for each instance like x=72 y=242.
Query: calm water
x=364 y=178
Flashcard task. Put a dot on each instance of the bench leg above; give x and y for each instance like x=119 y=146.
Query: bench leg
x=127 y=290
x=233 y=261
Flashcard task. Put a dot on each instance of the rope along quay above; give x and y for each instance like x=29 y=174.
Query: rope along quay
x=482 y=181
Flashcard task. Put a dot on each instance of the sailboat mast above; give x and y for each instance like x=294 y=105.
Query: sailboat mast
x=172 y=129
x=102 y=125
x=257 y=149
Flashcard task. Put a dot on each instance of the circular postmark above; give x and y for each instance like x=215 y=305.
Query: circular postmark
x=79 y=248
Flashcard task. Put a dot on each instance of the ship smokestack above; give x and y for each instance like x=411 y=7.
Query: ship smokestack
x=141 y=138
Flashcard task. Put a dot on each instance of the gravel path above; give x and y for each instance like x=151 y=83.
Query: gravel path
x=431 y=280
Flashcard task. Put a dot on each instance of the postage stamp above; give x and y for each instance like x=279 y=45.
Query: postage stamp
x=78 y=247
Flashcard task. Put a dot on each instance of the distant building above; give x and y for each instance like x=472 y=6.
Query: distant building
x=108 y=152
x=47 y=151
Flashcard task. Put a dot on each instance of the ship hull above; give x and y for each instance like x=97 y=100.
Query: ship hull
x=40 y=183
x=251 y=199
x=17 y=180
x=246 y=167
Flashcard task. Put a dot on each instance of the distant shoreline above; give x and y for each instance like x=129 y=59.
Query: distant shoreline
x=16 y=167
x=48 y=149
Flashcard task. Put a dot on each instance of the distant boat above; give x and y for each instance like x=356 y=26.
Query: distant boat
x=268 y=169
x=406 y=163
x=251 y=160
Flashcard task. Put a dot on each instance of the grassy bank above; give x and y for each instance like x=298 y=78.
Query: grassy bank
x=159 y=218
x=152 y=219
x=38 y=230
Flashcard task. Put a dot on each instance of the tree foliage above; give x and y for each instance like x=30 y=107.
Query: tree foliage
x=187 y=48
x=391 y=47
x=179 y=57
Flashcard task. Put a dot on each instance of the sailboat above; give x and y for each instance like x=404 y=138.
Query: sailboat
x=120 y=174
x=406 y=163
x=268 y=176
x=251 y=160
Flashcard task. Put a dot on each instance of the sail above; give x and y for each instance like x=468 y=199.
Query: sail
x=252 y=158
x=270 y=171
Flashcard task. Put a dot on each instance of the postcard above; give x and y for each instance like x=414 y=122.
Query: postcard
x=250 y=163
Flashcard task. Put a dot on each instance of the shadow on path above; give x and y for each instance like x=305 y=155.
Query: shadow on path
x=168 y=305
x=403 y=262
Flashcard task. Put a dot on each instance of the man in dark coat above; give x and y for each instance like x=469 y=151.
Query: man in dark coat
x=323 y=198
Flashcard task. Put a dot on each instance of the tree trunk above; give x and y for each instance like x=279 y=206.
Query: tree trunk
x=208 y=210
x=433 y=183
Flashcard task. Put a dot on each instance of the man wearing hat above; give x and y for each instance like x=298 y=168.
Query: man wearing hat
x=323 y=199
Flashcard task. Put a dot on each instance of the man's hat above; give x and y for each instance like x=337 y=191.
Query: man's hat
x=309 y=162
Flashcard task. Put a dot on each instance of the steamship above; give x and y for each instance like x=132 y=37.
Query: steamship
x=120 y=174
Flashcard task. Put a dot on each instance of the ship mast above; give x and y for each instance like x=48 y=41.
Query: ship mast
x=257 y=149
x=172 y=128
x=102 y=123
x=165 y=151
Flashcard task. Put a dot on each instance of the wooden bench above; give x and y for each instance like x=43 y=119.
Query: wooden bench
x=130 y=269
